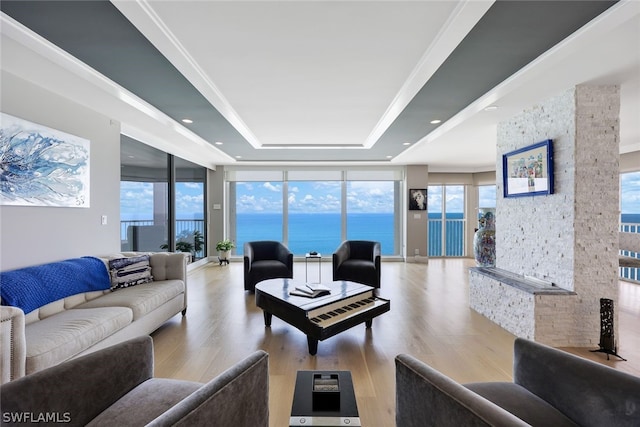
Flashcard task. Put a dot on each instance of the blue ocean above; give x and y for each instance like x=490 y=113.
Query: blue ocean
x=322 y=232
x=316 y=232
x=630 y=219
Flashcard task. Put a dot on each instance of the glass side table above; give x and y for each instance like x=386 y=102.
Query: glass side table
x=308 y=256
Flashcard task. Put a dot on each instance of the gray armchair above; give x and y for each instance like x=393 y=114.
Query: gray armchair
x=264 y=260
x=115 y=386
x=550 y=388
x=358 y=261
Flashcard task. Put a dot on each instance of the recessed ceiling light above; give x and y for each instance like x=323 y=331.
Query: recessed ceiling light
x=189 y=121
x=238 y=157
x=406 y=143
x=491 y=108
x=218 y=143
x=389 y=157
x=435 y=122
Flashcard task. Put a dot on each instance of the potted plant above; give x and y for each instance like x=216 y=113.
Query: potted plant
x=224 y=248
x=183 y=242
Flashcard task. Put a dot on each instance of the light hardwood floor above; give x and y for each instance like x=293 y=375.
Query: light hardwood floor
x=429 y=319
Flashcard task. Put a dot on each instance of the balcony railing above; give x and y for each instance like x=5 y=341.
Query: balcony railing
x=453 y=240
x=185 y=228
x=628 y=272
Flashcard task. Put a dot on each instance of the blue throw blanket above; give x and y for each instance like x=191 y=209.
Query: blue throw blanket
x=32 y=287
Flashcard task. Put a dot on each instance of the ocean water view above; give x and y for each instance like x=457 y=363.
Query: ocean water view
x=316 y=232
x=630 y=219
x=322 y=232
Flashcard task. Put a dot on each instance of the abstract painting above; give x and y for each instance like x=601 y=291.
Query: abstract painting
x=40 y=166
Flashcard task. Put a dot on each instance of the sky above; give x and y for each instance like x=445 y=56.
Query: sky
x=136 y=199
x=315 y=197
x=324 y=197
x=630 y=192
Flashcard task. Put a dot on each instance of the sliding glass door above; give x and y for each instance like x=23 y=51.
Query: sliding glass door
x=445 y=204
x=190 y=204
x=161 y=196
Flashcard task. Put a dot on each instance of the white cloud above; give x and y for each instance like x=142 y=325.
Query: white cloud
x=269 y=186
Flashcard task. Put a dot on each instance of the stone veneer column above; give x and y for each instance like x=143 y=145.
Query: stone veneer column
x=569 y=237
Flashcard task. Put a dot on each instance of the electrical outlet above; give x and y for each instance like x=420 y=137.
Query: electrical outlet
x=103 y=220
x=416 y=251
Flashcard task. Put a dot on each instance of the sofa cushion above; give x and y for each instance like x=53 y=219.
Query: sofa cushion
x=129 y=271
x=59 y=337
x=32 y=287
x=141 y=299
x=521 y=403
x=157 y=394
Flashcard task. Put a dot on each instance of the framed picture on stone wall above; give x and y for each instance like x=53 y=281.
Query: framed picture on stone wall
x=528 y=171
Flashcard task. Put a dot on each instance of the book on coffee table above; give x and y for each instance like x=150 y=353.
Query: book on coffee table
x=311 y=290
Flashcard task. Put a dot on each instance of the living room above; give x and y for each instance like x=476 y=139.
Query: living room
x=223 y=324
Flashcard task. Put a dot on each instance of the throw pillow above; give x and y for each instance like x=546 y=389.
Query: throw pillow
x=130 y=271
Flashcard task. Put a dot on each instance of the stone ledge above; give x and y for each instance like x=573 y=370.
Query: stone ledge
x=520 y=282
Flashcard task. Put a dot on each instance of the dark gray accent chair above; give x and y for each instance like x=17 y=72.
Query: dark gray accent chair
x=550 y=388
x=115 y=387
x=358 y=261
x=266 y=259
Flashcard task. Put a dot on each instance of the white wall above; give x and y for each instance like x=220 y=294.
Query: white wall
x=417 y=221
x=36 y=235
x=216 y=198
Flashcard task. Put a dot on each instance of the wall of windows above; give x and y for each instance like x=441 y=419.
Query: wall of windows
x=308 y=209
x=315 y=210
x=161 y=195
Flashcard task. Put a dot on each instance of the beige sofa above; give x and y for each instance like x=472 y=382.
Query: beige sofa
x=88 y=321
